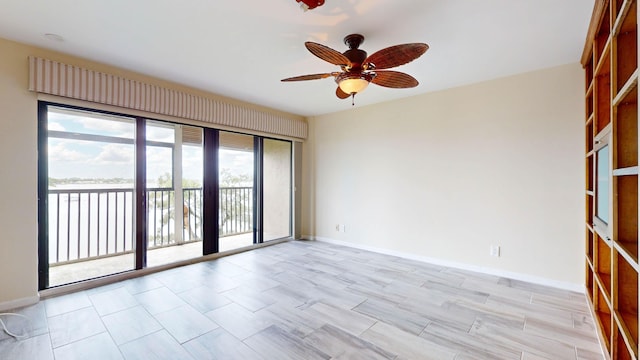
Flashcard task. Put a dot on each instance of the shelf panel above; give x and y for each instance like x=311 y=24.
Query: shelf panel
x=628 y=171
x=625 y=230
x=602 y=258
x=626 y=300
x=630 y=84
x=602 y=43
x=628 y=43
x=589 y=244
x=589 y=134
x=602 y=94
x=621 y=351
x=602 y=311
x=629 y=251
x=625 y=130
x=588 y=67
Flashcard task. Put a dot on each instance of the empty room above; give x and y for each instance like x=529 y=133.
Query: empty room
x=319 y=179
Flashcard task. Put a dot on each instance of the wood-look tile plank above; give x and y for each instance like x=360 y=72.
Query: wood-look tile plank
x=130 y=324
x=467 y=345
x=185 y=323
x=33 y=322
x=528 y=343
x=219 y=344
x=239 y=321
x=275 y=343
x=66 y=303
x=405 y=344
x=204 y=299
x=249 y=298
x=159 y=300
x=391 y=314
x=111 y=301
x=36 y=347
x=156 y=346
x=341 y=344
x=348 y=320
x=292 y=319
x=73 y=326
x=97 y=347
x=568 y=335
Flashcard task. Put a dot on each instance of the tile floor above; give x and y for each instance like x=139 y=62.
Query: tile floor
x=308 y=300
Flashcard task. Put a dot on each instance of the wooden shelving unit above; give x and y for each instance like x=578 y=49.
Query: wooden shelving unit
x=610 y=60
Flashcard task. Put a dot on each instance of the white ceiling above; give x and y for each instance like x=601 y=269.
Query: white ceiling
x=242 y=49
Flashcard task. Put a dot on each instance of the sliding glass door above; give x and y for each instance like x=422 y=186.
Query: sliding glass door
x=118 y=193
x=89 y=192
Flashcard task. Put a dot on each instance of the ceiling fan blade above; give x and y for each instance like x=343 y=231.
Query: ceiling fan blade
x=394 y=79
x=396 y=55
x=327 y=54
x=341 y=94
x=309 y=77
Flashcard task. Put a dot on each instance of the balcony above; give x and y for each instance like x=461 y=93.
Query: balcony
x=91 y=230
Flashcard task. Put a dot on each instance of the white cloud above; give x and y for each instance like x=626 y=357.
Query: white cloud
x=59 y=152
x=55 y=126
x=115 y=154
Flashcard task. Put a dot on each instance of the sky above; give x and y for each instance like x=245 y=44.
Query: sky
x=91 y=159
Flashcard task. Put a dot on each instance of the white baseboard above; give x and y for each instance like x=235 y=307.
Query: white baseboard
x=18 y=303
x=480 y=269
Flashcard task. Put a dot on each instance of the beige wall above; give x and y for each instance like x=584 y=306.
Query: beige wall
x=18 y=182
x=446 y=174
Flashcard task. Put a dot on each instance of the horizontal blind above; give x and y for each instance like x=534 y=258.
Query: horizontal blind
x=55 y=78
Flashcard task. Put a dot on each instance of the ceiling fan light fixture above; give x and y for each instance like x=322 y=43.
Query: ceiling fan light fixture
x=353 y=83
x=351 y=86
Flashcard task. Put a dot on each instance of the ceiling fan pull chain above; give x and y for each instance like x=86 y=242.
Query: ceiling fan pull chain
x=353 y=99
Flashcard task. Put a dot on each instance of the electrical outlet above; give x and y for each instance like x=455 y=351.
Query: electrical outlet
x=494 y=250
x=343 y=228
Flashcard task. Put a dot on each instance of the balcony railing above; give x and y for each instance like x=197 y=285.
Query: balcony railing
x=87 y=224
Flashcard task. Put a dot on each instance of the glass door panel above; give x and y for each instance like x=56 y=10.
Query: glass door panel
x=236 y=163
x=174 y=192
x=276 y=189
x=90 y=165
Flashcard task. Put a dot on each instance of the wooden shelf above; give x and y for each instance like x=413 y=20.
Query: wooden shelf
x=610 y=60
x=626 y=213
x=602 y=93
x=628 y=251
x=589 y=246
x=602 y=311
x=628 y=171
x=602 y=264
x=626 y=44
x=628 y=87
x=625 y=128
x=626 y=301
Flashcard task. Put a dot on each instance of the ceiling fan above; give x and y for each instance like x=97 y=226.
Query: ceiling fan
x=358 y=69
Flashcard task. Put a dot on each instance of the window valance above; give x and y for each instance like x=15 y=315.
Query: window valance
x=55 y=78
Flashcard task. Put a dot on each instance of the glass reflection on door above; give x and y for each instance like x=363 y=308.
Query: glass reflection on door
x=174 y=192
x=90 y=164
x=276 y=189
x=235 y=166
